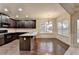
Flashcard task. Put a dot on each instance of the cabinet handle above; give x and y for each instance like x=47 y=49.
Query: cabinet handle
x=24 y=38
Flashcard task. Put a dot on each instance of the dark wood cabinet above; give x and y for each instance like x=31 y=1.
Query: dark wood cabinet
x=0 y=21
x=4 y=21
x=25 y=43
x=7 y=22
x=12 y=23
x=1 y=40
x=26 y=23
x=20 y=24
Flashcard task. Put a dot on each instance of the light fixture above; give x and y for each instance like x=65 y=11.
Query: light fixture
x=17 y=16
x=8 y=17
x=20 y=9
x=5 y=9
x=27 y=16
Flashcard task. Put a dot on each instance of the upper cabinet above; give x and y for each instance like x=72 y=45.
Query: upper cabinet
x=12 y=23
x=20 y=24
x=26 y=23
x=4 y=19
x=7 y=22
x=0 y=18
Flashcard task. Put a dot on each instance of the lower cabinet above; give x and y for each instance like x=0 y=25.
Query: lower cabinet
x=8 y=38
x=25 y=43
x=1 y=40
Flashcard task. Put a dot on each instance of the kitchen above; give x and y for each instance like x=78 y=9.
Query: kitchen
x=27 y=24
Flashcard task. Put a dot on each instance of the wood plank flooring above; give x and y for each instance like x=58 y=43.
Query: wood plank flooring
x=45 y=47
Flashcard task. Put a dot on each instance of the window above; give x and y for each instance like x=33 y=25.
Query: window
x=46 y=27
x=60 y=27
x=78 y=31
x=63 y=28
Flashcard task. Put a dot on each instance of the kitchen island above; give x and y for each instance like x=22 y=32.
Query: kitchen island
x=28 y=41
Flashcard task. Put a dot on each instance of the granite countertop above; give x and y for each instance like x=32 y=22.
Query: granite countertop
x=29 y=34
x=12 y=33
x=2 y=33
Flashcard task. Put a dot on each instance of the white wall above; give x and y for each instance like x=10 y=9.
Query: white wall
x=75 y=16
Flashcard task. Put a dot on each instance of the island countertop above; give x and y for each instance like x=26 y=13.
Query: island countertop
x=29 y=34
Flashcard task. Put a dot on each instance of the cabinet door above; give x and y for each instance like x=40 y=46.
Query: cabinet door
x=0 y=18
x=1 y=39
x=5 y=19
x=20 y=24
x=29 y=24
x=26 y=24
x=12 y=23
x=0 y=21
x=25 y=44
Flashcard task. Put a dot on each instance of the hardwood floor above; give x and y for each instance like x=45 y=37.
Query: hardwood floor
x=45 y=46
x=11 y=48
x=51 y=46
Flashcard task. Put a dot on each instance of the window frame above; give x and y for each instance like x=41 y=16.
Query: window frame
x=62 y=28
x=46 y=27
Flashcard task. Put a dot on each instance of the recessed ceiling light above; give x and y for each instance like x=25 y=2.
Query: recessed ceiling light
x=5 y=9
x=20 y=9
x=17 y=16
x=27 y=16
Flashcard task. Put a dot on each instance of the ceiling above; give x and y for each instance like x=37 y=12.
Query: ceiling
x=32 y=10
x=76 y=6
x=71 y=8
